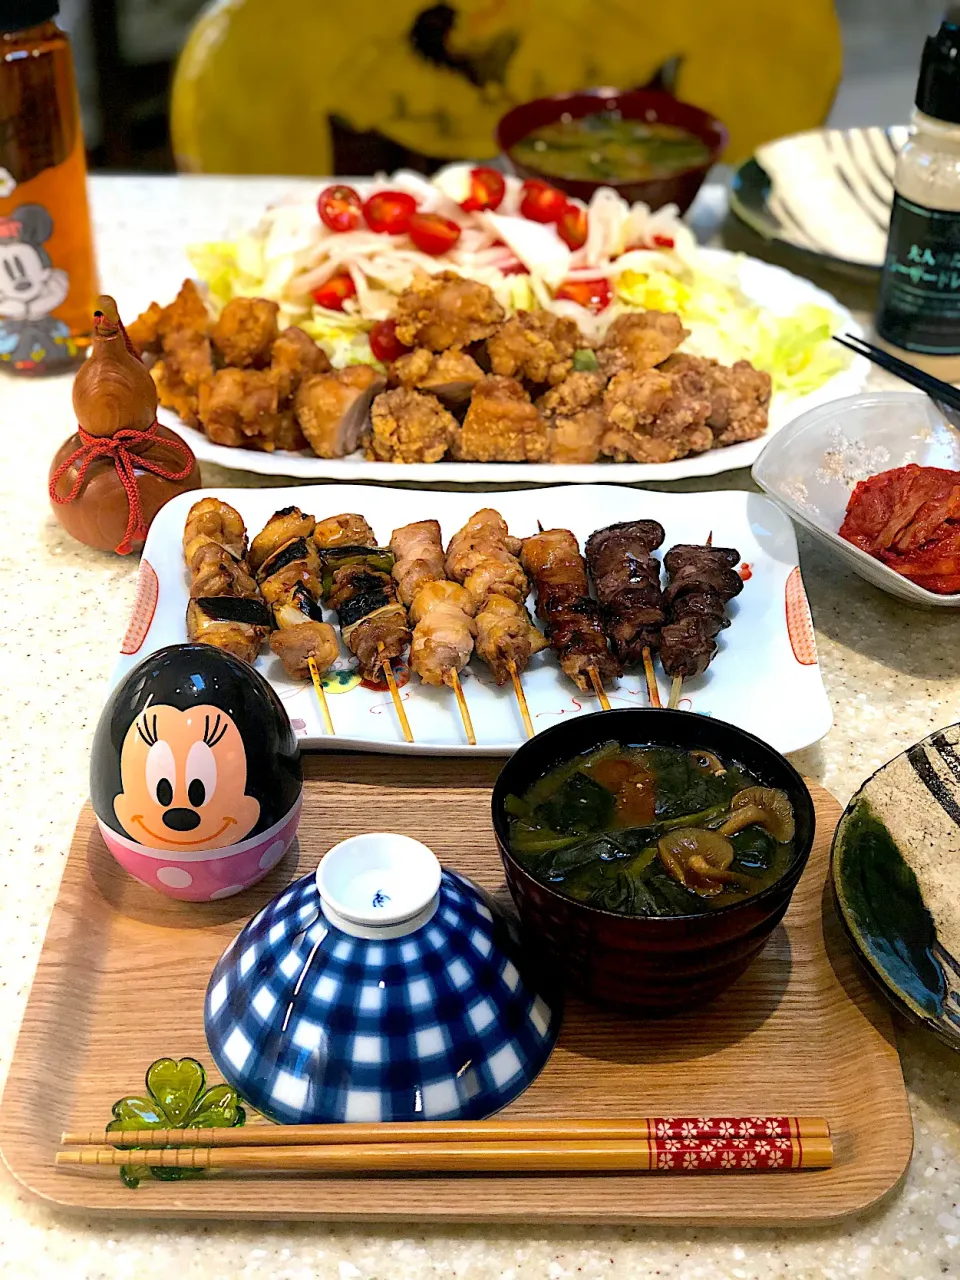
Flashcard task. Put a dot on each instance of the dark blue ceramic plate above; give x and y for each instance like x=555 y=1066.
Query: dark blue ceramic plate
x=896 y=877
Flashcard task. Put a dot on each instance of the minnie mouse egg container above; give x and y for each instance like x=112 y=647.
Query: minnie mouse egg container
x=195 y=775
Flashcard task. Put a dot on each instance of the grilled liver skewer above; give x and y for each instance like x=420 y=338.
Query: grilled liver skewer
x=627 y=580
x=702 y=582
x=225 y=608
x=441 y=611
x=572 y=617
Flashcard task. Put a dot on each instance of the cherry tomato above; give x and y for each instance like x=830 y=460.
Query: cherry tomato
x=592 y=294
x=334 y=292
x=390 y=211
x=572 y=226
x=339 y=208
x=540 y=202
x=515 y=269
x=663 y=242
x=487 y=189
x=433 y=234
x=384 y=343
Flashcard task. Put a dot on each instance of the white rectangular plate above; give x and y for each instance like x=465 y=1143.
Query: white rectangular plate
x=765 y=677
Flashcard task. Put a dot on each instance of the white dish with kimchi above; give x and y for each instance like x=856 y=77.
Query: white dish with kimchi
x=765 y=677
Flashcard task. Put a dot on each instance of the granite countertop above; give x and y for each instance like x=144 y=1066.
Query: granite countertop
x=892 y=673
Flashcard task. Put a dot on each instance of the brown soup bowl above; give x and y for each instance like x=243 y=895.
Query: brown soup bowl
x=660 y=965
x=650 y=105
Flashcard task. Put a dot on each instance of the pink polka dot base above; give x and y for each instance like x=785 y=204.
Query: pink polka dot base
x=205 y=875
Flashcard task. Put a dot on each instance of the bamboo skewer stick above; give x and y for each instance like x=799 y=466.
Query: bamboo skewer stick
x=598 y=689
x=321 y=696
x=615 y=1130
x=395 y=693
x=675 y=693
x=653 y=689
x=464 y=709
x=521 y=699
x=570 y=1156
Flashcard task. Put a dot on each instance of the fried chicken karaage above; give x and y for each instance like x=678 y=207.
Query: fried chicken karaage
x=332 y=408
x=245 y=332
x=502 y=425
x=640 y=340
x=573 y=412
x=444 y=311
x=188 y=311
x=739 y=395
x=295 y=355
x=239 y=407
x=650 y=418
x=409 y=426
x=449 y=375
x=536 y=346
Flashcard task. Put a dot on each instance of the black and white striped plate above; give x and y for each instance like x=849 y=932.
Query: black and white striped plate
x=826 y=193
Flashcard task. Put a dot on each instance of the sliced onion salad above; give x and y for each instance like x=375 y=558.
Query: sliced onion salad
x=649 y=260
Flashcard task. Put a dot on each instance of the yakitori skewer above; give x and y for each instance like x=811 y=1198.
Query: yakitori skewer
x=573 y=618
x=615 y=1129
x=226 y=609
x=287 y=565
x=626 y=576
x=482 y=557
x=702 y=582
x=440 y=611
x=357 y=583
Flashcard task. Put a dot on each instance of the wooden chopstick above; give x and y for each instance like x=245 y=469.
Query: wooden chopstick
x=936 y=388
x=617 y=1130
x=645 y=1156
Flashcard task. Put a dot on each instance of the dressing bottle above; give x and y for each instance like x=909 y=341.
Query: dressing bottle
x=919 y=309
x=47 y=273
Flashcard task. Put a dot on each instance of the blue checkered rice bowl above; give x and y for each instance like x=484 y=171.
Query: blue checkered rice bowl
x=312 y=1023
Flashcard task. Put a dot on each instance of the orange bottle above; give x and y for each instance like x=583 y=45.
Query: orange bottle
x=47 y=272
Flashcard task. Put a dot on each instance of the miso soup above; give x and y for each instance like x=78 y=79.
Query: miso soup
x=604 y=147
x=652 y=830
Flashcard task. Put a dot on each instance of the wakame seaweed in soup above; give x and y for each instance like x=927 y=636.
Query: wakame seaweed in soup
x=652 y=830
x=604 y=146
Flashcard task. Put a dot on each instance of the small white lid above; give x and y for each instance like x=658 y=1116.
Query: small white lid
x=379 y=885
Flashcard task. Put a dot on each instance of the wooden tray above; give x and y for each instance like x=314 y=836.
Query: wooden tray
x=123 y=972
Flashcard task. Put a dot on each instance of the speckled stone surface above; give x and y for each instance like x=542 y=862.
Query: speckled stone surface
x=892 y=673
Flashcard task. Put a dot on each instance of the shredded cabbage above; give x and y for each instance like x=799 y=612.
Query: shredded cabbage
x=651 y=259
x=725 y=325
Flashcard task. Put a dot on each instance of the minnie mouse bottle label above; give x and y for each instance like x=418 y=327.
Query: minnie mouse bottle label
x=47 y=274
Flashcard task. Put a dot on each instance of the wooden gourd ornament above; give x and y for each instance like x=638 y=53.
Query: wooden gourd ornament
x=109 y=479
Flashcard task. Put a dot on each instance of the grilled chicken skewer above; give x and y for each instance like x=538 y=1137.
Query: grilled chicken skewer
x=288 y=568
x=573 y=619
x=225 y=608
x=482 y=557
x=702 y=582
x=627 y=580
x=441 y=611
x=358 y=583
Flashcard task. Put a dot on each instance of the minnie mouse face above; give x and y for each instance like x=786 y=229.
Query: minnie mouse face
x=194 y=751
x=184 y=778
x=29 y=285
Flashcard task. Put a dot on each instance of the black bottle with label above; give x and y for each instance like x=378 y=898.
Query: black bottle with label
x=919 y=309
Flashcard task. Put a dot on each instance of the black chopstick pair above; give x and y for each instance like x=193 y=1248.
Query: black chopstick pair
x=936 y=388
